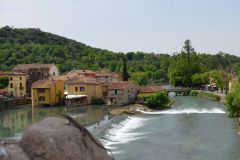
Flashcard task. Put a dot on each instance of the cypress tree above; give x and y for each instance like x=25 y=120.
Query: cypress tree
x=125 y=74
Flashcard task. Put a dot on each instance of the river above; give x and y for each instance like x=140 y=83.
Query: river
x=194 y=129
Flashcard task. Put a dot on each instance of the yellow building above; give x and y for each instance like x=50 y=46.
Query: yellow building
x=84 y=87
x=17 y=83
x=149 y=90
x=47 y=92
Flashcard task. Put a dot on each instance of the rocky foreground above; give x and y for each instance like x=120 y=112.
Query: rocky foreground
x=53 y=139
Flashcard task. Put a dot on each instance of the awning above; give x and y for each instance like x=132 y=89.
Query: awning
x=75 y=96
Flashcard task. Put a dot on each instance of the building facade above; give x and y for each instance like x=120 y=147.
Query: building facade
x=121 y=93
x=36 y=72
x=84 y=87
x=47 y=92
x=17 y=83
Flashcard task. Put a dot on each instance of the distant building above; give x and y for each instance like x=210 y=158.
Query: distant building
x=47 y=92
x=149 y=90
x=108 y=77
x=17 y=83
x=83 y=89
x=121 y=93
x=36 y=72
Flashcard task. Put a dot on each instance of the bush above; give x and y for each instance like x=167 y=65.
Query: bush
x=4 y=82
x=157 y=101
x=193 y=93
x=209 y=95
x=233 y=101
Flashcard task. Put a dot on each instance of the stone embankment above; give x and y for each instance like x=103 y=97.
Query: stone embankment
x=130 y=110
x=53 y=139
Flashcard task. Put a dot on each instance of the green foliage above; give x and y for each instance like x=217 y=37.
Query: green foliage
x=199 y=79
x=209 y=95
x=125 y=73
x=4 y=82
x=193 y=93
x=140 y=78
x=233 y=101
x=157 y=101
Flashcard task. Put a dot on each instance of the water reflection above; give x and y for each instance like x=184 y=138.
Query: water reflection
x=14 y=122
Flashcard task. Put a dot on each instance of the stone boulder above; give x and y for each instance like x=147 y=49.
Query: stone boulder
x=11 y=151
x=56 y=139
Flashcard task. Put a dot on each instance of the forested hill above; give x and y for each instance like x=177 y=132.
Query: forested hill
x=35 y=46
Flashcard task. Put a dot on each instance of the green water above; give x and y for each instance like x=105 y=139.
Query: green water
x=14 y=122
x=194 y=129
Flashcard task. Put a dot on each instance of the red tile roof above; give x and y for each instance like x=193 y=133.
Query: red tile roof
x=26 y=67
x=81 y=80
x=11 y=73
x=150 y=89
x=43 y=84
x=119 y=85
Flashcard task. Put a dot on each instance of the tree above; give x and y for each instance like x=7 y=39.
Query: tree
x=233 y=101
x=140 y=78
x=125 y=74
x=4 y=82
x=157 y=101
x=184 y=66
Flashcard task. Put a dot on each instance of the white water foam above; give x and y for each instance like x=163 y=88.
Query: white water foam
x=123 y=133
x=187 y=111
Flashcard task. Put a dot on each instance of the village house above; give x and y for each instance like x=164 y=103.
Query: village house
x=36 y=72
x=82 y=90
x=121 y=93
x=47 y=92
x=17 y=83
x=149 y=90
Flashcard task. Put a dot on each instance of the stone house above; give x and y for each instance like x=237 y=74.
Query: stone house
x=36 y=72
x=121 y=93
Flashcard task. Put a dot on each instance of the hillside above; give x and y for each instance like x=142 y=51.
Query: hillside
x=36 y=46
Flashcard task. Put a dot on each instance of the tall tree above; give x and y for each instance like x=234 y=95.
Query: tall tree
x=125 y=73
x=4 y=82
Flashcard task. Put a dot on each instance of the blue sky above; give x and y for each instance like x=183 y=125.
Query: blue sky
x=159 y=26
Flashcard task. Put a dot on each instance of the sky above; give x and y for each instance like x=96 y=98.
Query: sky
x=159 y=26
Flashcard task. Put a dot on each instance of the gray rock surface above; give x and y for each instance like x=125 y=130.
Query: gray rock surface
x=52 y=139
x=55 y=139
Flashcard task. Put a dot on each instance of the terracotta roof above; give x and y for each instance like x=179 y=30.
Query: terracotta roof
x=43 y=84
x=11 y=73
x=81 y=72
x=150 y=89
x=81 y=80
x=107 y=75
x=119 y=85
x=26 y=67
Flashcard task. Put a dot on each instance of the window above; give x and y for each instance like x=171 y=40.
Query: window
x=82 y=89
x=41 y=98
x=76 y=89
x=21 y=87
x=11 y=85
x=20 y=78
x=115 y=91
x=54 y=73
x=41 y=90
x=11 y=78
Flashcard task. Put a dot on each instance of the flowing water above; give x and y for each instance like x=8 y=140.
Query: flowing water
x=194 y=129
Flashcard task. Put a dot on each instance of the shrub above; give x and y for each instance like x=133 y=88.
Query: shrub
x=193 y=93
x=209 y=95
x=157 y=101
